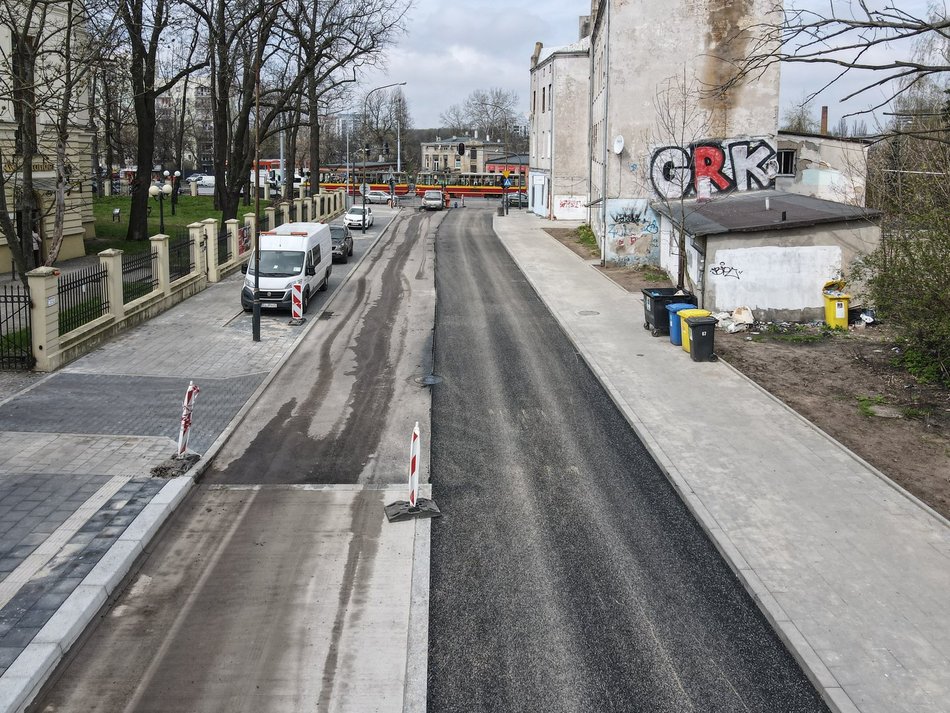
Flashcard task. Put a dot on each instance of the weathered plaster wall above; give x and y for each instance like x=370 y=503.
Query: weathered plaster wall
x=779 y=275
x=688 y=41
x=825 y=167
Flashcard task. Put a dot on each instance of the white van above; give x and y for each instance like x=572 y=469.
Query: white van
x=206 y=182
x=290 y=253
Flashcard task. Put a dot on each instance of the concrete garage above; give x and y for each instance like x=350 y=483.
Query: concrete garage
x=767 y=250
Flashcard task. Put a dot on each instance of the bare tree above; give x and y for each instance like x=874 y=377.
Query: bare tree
x=886 y=48
x=148 y=25
x=681 y=121
x=800 y=118
x=46 y=68
x=455 y=120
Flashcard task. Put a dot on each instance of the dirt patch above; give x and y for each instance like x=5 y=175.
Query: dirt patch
x=843 y=382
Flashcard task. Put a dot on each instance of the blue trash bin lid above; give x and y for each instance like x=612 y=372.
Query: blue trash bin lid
x=677 y=306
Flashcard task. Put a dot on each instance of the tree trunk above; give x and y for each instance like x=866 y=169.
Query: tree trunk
x=144 y=154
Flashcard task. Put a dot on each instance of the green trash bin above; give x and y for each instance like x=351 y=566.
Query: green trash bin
x=702 y=338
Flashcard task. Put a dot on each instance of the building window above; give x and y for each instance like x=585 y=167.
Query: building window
x=542 y=100
x=473 y=154
x=534 y=99
x=473 y=168
x=786 y=162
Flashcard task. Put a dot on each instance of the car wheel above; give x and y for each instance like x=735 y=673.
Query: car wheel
x=350 y=253
x=306 y=301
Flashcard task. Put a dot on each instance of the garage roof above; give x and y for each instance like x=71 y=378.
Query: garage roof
x=746 y=212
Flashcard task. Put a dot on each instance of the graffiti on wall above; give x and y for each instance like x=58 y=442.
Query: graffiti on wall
x=632 y=232
x=569 y=207
x=725 y=166
x=724 y=270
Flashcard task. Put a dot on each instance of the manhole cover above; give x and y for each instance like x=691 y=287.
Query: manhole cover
x=326 y=315
x=588 y=312
x=429 y=379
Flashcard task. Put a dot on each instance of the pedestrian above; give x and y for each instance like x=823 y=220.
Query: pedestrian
x=37 y=246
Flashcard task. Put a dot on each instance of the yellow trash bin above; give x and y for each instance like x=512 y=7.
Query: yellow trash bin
x=683 y=314
x=836 y=304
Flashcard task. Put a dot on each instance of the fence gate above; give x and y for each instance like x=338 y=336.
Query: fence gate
x=16 y=346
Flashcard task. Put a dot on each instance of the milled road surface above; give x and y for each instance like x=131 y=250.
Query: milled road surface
x=268 y=587
x=567 y=575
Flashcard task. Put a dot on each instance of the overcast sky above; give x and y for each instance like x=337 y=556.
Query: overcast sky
x=455 y=47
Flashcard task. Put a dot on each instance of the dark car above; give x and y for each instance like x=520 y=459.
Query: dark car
x=519 y=200
x=342 y=241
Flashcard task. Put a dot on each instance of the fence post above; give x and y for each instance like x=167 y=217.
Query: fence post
x=111 y=260
x=231 y=225
x=298 y=209
x=285 y=211
x=271 y=212
x=266 y=188
x=211 y=241
x=196 y=235
x=160 y=247
x=44 y=315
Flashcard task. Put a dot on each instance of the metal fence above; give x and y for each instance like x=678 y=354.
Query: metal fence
x=293 y=212
x=224 y=246
x=138 y=275
x=263 y=223
x=16 y=346
x=179 y=256
x=83 y=297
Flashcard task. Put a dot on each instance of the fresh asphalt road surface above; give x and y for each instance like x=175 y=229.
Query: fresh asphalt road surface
x=566 y=574
x=266 y=590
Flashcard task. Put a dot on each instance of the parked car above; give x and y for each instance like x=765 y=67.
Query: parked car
x=356 y=217
x=377 y=197
x=194 y=178
x=433 y=200
x=519 y=200
x=342 y=240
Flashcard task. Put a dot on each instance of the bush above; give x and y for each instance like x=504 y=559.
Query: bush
x=907 y=280
x=585 y=236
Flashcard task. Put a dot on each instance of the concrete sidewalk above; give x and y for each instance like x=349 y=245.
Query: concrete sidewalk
x=852 y=571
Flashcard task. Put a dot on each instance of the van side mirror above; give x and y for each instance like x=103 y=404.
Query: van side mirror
x=311 y=270
x=244 y=268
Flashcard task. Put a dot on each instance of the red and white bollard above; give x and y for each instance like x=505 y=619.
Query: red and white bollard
x=187 y=408
x=414 y=467
x=296 y=303
x=415 y=506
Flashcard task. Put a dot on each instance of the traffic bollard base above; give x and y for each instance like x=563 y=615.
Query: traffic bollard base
x=402 y=510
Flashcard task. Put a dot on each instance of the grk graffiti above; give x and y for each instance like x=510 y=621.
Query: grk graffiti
x=737 y=165
x=725 y=271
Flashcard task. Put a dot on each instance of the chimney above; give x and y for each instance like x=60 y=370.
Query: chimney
x=824 y=121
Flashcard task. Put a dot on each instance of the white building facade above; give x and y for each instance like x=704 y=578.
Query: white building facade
x=560 y=87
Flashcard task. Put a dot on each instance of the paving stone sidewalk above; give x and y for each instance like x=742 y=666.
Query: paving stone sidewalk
x=77 y=447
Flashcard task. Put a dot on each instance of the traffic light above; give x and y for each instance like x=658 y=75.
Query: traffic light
x=386 y=147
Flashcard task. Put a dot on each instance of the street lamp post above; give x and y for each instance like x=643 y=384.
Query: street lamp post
x=364 y=187
x=160 y=194
x=174 y=178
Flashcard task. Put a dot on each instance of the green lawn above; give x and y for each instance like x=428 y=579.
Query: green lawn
x=111 y=233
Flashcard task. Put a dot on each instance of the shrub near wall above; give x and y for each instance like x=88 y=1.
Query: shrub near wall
x=908 y=282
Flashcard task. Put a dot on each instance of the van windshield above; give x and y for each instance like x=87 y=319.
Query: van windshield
x=279 y=263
